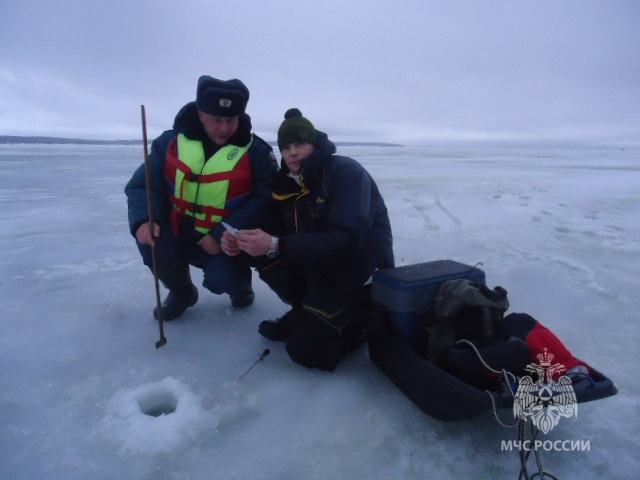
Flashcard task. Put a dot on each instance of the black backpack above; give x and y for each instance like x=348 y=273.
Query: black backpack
x=465 y=336
x=464 y=310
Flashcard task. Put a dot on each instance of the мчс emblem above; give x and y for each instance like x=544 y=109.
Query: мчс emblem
x=546 y=400
x=232 y=154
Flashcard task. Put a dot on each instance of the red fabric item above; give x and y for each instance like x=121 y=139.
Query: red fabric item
x=541 y=339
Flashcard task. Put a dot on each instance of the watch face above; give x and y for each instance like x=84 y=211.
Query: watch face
x=272 y=253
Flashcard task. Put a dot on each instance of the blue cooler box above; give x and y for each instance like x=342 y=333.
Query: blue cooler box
x=409 y=295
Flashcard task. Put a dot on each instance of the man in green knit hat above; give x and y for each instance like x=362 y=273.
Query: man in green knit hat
x=333 y=233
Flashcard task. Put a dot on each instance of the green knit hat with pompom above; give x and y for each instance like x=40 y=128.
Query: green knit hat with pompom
x=295 y=129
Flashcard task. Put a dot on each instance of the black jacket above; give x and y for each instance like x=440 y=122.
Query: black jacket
x=263 y=170
x=336 y=224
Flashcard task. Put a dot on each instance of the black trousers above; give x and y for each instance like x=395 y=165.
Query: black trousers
x=315 y=343
x=327 y=319
x=175 y=254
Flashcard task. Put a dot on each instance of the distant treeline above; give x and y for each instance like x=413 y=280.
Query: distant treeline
x=80 y=141
x=65 y=141
x=365 y=144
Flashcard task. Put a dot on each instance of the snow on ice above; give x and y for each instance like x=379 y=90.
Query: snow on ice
x=85 y=394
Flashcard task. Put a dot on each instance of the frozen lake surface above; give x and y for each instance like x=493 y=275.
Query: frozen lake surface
x=559 y=228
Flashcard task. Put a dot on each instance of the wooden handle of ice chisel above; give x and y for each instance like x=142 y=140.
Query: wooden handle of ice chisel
x=147 y=175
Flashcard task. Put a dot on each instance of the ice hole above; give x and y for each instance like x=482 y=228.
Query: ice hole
x=158 y=402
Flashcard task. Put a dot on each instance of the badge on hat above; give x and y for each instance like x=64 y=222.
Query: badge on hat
x=227 y=98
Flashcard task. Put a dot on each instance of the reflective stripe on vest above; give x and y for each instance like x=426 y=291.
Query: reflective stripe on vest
x=204 y=189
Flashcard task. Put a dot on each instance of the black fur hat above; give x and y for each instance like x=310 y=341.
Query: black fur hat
x=223 y=98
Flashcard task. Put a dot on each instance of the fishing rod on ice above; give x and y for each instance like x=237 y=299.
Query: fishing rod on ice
x=147 y=175
x=260 y=358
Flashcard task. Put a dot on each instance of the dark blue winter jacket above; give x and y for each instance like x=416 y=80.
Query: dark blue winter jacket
x=337 y=224
x=263 y=170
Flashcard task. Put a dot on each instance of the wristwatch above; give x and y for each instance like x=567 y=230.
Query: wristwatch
x=273 y=250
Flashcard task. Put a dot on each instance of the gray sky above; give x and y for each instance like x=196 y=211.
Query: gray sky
x=408 y=71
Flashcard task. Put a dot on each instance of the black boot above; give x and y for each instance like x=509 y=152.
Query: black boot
x=277 y=330
x=244 y=298
x=177 y=302
x=176 y=277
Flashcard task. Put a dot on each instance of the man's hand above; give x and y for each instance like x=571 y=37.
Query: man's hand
x=144 y=236
x=229 y=244
x=209 y=245
x=255 y=242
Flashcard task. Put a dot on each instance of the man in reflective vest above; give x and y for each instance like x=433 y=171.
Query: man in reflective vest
x=207 y=169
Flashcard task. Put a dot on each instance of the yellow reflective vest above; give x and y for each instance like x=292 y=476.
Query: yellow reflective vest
x=206 y=189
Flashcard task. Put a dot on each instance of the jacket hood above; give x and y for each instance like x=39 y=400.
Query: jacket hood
x=188 y=123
